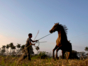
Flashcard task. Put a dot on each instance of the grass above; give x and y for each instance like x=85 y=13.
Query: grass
x=11 y=61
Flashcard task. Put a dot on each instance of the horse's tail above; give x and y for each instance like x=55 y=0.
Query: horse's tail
x=70 y=45
x=70 y=49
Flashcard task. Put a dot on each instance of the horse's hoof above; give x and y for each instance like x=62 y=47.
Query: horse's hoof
x=53 y=58
x=63 y=58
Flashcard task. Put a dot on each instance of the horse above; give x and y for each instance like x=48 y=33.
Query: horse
x=62 y=42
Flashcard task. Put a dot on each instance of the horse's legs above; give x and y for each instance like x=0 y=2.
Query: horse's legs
x=63 y=52
x=53 y=53
x=57 y=53
x=70 y=54
x=54 y=50
x=67 y=56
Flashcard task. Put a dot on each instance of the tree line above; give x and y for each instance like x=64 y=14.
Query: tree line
x=11 y=49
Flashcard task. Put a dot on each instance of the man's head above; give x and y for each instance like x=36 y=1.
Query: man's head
x=30 y=35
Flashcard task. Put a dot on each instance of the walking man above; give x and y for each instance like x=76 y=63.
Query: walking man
x=28 y=48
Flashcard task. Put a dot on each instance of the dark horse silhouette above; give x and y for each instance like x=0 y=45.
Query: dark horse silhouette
x=62 y=41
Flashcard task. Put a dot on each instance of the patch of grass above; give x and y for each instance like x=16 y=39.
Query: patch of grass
x=42 y=62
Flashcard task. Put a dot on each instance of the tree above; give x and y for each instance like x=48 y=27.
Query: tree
x=18 y=46
x=7 y=47
x=22 y=48
x=3 y=50
x=13 y=48
x=11 y=45
x=3 y=47
x=86 y=48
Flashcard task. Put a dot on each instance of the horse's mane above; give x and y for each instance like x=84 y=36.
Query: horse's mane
x=64 y=28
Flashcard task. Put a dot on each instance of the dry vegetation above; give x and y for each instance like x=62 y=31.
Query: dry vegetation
x=12 y=61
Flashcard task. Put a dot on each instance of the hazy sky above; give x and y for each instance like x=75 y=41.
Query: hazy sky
x=20 y=17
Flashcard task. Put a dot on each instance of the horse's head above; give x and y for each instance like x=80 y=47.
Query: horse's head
x=54 y=28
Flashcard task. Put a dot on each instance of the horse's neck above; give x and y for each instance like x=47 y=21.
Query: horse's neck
x=62 y=35
x=59 y=33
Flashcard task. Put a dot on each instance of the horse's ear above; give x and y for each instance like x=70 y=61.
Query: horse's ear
x=57 y=23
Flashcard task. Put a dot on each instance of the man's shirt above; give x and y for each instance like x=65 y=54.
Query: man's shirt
x=29 y=40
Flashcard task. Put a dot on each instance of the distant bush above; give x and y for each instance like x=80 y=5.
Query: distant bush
x=73 y=55
x=42 y=55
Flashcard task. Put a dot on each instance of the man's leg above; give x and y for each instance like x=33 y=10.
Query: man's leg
x=28 y=54
x=29 y=58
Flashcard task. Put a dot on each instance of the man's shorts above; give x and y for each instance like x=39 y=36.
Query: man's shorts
x=25 y=56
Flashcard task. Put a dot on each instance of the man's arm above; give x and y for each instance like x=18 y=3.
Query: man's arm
x=34 y=40
x=31 y=43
